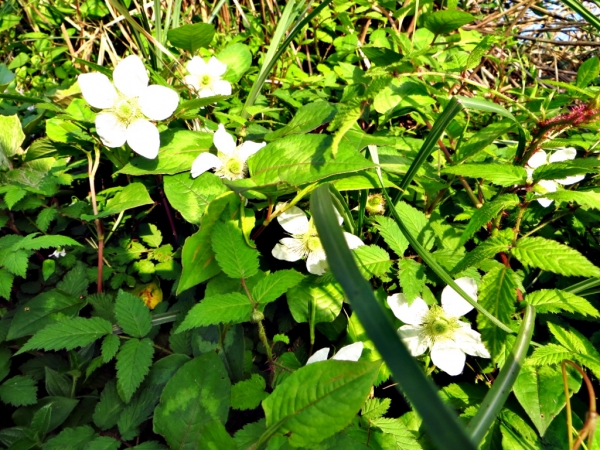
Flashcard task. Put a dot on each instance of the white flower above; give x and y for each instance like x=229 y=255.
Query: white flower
x=58 y=253
x=439 y=329
x=205 y=78
x=305 y=242
x=540 y=158
x=231 y=160
x=348 y=353
x=128 y=109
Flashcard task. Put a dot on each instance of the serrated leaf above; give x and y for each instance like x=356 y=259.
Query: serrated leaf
x=132 y=315
x=109 y=407
x=405 y=440
x=13 y=196
x=131 y=196
x=249 y=393
x=549 y=354
x=19 y=391
x=554 y=257
x=484 y=137
x=327 y=395
x=75 y=282
x=497 y=294
x=486 y=213
x=417 y=224
x=68 y=334
x=16 y=262
x=446 y=21
x=151 y=235
x=138 y=410
x=588 y=72
x=315 y=302
x=412 y=278
x=133 y=363
x=307 y=118
x=391 y=234
x=227 y=308
x=375 y=408
x=590 y=199
x=499 y=174
x=48 y=241
x=234 y=256
x=273 y=286
x=71 y=438
x=110 y=346
x=191 y=37
x=579 y=347
x=373 y=261
x=6 y=283
x=488 y=249
x=103 y=443
x=555 y=300
x=558 y=170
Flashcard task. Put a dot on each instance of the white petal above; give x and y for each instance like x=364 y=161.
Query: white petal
x=97 y=90
x=412 y=337
x=249 y=148
x=319 y=355
x=316 y=263
x=545 y=202
x=130 y=76
x=143 y=138
x=529 y=175
x=548 y=186
x=469 y=341
x=110 y=129
x=294 y=221
x=205 y=161
x=564 y=154
x=158 y=102
x=353 y=241
x=567 y=181
x=350 y=352
x=224 y=141
x=538 y=159
x=454 y=305
x=221 y=87
x=215 y=67
x=412 y=314
x=448 y=357
x=193 y=81
x=289 y=249
x=196 y=66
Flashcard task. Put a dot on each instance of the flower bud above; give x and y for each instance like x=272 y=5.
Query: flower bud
x=375 y=204
x=257 y=316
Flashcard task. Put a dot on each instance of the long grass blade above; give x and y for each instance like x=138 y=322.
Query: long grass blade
x=496 y=397
x=440 y=422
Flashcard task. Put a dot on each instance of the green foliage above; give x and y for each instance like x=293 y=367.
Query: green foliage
x=132 y=315
x=234 y=256
x=249 y=393
x=133 y=363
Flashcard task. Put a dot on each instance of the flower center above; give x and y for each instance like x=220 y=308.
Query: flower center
x=205 y=80
x=127 y=110
x=313 y=243
x=438 y=326
x=234 y=166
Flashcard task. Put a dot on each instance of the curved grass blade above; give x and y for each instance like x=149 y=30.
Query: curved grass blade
x=440 y=422
x=585 y=287
x=496 y=397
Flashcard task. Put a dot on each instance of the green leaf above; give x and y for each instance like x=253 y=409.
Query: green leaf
x=110 y=346
x=16 y=262
x=327 y=395
x=71 y=438
x=549 y=354
x=12 y=196
x=499 y=174
x=446 y=21
x=109 y=407
x=315 y=302
x=131 y=196
x=375 y=408
x=555 y=300
x=181 y=418
x=45 y=217
x=553 y=257
x=483 y=138
x=391 y=234
x=234 y=256
x=412 y=278
x=19 y=391
x=238 y=59
x=151 y=235
x=133 y=363
x=497 y=294
x=68 y=334
x=57 y=384
x=44 y=309
x=307 y=118
x=103 y=443
x=486 y=213
x=6 y=76
x=225 y=308
x=46 y=241
x=249 y=393
x=488 y=249
x=541 y=393
x=580 y=348
x=6 y=283
x=403 y=437
x=591 y=199
x=11 y=138
x=190 y=196
x=191 y=37
x=417 y=224
x=588 y=72
x=373 y=261
x=273 y=286
x=132 y=315
x=75 y=282
x=558 y=170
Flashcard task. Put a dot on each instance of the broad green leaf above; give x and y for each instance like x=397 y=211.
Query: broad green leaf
x=326 y=396
x=68 y=334
x=44 y=309
x=48 y=241
x=11 y=138
x=6 y=76
x=249 y=393
x=555 y=300
x=6 y=282
x=375 y=408
x=178 y=150
x=373 y=261
x=588 y=72
x=75 y=282
x=198 y=258
x=65 y=131
x=56 y=383
x=225 y=308
x=196 y=395
x=138 y=410
x=303 y=159
x=109 y=407
x=315 y=302
x=307 y=118
x=391 y=234
x=151 y=235
x=499 y=174
x=497 y=294
x=131 y=196
x=238 y=59
x=549 y=354
x=403 y=437
x=584 y=198
x=15 y=261
x=486 y=213
x=71 y=438
x=19 y=391
x=234 y=256
x=412 y=278
x=540 y=392
x=13 y=195
x=488 y=249
x=110 y=346
x=446 y=21
x=516 y=433
x=554 y=257
x=133 y=363
x=416 y=223
x=484 y=137
x=577 y=346
x=191 y=37
x=558 y=170
x=103 y=443
x=190 y=196
x=133 y=316
x=273 y=286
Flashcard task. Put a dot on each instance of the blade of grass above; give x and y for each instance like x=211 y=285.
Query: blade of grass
x=496 y=397
x=580 y=9
x=439 y=420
